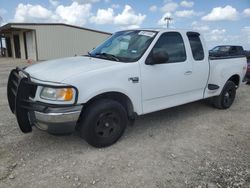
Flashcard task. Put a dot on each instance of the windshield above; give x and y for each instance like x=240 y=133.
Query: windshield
x=124 y=46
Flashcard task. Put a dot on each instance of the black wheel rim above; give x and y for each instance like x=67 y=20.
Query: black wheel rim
x=107 y=124
x=229 y=97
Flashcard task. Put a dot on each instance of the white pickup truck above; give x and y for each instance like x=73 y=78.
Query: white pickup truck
x=132 y=73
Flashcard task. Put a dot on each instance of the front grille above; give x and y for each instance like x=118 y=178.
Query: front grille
x=33 y=89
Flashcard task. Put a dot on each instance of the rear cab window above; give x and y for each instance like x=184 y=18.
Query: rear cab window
x=196 y=45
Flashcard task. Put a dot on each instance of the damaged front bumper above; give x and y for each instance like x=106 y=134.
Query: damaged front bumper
x=60 y=122
x=53 y=118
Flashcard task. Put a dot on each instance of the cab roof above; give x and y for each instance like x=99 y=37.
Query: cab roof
x=165 y=30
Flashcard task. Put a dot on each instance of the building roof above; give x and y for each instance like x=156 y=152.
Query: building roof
x=11 y=25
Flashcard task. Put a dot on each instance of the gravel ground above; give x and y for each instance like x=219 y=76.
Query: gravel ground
x=193 y=145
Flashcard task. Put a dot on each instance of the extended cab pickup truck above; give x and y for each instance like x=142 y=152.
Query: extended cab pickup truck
x=132 y=73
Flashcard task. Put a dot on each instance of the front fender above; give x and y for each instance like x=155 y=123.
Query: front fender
x=113 y=79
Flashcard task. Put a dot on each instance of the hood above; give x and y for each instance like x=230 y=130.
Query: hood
x=60 y=69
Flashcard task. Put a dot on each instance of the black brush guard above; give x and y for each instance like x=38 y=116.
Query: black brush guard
x=20 y=91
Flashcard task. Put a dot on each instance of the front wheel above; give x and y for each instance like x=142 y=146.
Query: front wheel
x=227 y=96
x=103 y=123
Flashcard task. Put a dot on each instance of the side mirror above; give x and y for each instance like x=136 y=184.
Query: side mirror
x=158 y=56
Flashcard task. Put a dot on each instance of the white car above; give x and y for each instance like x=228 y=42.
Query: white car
x=134 y=72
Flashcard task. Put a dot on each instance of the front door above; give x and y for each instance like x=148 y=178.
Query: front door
x=168 y=84
x=17 y=46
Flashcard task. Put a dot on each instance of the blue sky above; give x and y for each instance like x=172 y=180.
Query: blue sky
x=221 y=21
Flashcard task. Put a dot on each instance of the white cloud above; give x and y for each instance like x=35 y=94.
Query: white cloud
x=187 y=4
x=216 y=35
x=218 y=31
x=186 y=13
x=200 y=27
x=73 y=14
x=246 y=33
x=76 y=14
x=131 y=27
x=103 y=16
x=246 y=12
x=54 y=3
x=169 y=7
x=31 y=13
x=115 y=6
x=220 y=13
x=220 y=36
x=128 y=17
x=153 y=8
x=163 y=21
x=86 y=1
x=213 y=37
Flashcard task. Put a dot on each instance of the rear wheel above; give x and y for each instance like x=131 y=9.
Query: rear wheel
x=227 y=96
x=103 y=122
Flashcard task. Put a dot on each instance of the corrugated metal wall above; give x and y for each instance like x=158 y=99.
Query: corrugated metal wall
x=55 y=41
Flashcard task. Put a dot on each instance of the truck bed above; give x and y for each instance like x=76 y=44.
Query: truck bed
x=222 y=68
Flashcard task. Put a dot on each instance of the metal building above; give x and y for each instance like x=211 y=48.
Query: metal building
x=44 y=41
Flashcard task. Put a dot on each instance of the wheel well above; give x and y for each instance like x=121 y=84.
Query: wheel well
x=236 y=79
x=119 y=97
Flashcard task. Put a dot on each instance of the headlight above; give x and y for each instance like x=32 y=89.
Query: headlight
x=58 y=94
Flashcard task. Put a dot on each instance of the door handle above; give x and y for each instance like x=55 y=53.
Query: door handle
x=134 y=79
x=188 y=72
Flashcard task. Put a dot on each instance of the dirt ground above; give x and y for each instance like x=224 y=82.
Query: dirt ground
x=193 y=145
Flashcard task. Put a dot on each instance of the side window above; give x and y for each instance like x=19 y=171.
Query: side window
x=173 y=44
x=196 y=45
x=239 y=50
x=233 y=50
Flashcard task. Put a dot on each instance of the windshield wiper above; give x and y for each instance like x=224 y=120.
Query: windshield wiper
x=108 y=56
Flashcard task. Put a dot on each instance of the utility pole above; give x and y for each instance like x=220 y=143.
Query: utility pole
x=168 y=20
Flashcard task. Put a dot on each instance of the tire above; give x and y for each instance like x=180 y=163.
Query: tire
x=103 y=123
x=227 y=96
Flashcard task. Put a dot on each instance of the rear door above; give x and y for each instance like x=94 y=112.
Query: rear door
x=200 y=64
